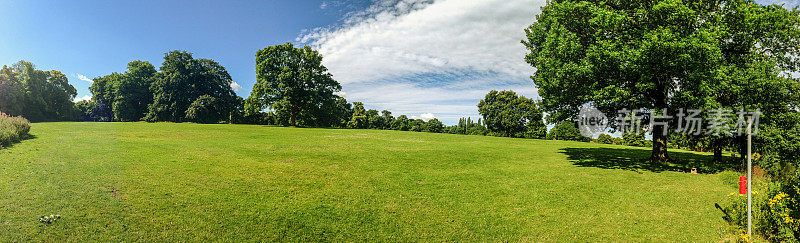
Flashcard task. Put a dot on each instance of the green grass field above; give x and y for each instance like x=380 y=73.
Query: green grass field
x=163 y=181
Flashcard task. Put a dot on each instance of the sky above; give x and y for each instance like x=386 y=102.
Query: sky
x=421 y=58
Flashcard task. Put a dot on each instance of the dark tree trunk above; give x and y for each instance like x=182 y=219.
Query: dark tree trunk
x=659 y=154
x=659 y=145
x=742 y=148
x=293 y=117
x=718 y=150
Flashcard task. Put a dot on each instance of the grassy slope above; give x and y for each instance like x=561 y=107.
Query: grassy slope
x=139 y=181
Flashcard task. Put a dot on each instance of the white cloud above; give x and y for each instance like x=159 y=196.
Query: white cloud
x=425 y=117
x=236 y=87
x=84 y=78
x=341 y=93
x=410 y=55
x=79 y=99
x=786 y=3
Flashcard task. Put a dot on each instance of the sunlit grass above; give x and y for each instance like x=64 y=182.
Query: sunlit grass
x=139 y=181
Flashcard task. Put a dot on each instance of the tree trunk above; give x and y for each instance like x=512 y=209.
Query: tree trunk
x=659 y=145
x=293 y=117
x=717 y=150
x=742 y=148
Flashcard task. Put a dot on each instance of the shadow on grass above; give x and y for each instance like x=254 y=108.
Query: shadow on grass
x=8 y=146
x=638 y=160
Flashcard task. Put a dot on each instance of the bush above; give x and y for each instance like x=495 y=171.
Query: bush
x=605 y=139
x=13 y=129
x=776 y=216
x=566 y=130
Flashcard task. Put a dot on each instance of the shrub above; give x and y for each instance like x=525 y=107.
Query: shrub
x=13 y=129
x=605 y=139
x=566 y=130
x=776 y=215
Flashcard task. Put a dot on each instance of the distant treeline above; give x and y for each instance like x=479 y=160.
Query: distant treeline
x=293 y=88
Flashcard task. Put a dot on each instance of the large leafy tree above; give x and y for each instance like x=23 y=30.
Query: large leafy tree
x=125 y=95
x=762 y=43
x=657 y=55
x=35 y=94
x=360 y=118
x=103 y=94
x=509 y=115
x=566 y=130
x=132 y=95
x=184 y=81
x=292 y=79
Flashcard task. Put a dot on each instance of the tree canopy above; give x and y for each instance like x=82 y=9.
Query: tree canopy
x=509 y=115
x=656 y=55
x=184 y=82
x=35 y=94
x=566 y=130
x=294 y=83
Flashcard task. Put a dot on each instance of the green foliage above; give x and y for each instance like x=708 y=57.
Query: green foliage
x=417 y=125
x=434 y=126
x=566 y=130
x=776 y=210
x=104 y=94
x=604 y=139
x=664 y=55
x=203 y=110
x=13 y=129
x=359 y=119
x=401 y=123
x=634 y=139
x=90 y=110
x=38 y=95
x=294 y=79
x=509 y=115
x=781 y=155
x=468 y=127
x=132 y=94
x=182 y=81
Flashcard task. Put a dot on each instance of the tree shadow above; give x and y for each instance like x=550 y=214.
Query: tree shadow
x=638 y=160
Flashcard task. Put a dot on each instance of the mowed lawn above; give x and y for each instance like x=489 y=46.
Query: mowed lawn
x=177 y=182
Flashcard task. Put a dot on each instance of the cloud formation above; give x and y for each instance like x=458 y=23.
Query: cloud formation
x=425 y=117
x=236 y=87
x=79 y=99
x=417 y=56
x=84 y=78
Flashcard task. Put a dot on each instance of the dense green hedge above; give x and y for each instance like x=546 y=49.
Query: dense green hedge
x=13 y=129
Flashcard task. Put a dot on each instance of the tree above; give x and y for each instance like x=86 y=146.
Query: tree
x=417 y=125
x=434 y=126
x=634 y=139
x=566 y=130
x=337 y=113
x=401 y=123
x=132 y=94
x=295 y=78
x=359 y=119
x=35 y=94
x=182 y=81
x=509 y=115
x=658 y=56
x=12 y=93
x=605 y=139
x=203 y=110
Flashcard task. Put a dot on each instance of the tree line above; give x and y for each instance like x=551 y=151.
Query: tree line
x=293 y=88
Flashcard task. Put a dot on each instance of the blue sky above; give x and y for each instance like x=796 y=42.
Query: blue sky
x=421 y=58
x=95 y=38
